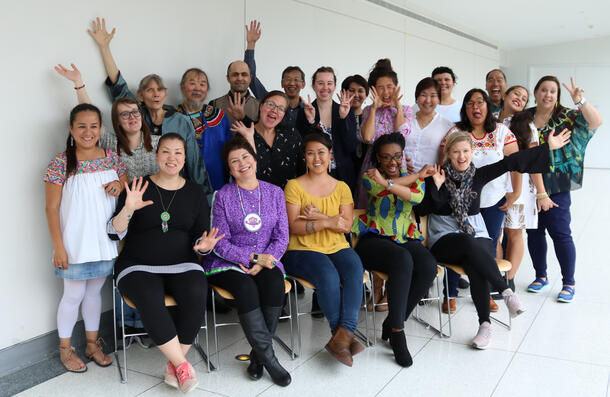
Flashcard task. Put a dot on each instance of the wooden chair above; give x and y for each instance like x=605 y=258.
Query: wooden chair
x=228 y=296
x=169 y=301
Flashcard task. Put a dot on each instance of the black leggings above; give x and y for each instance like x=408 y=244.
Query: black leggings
x=476 y=256
x=147 y=291
x=411 y=268
x=251 y=292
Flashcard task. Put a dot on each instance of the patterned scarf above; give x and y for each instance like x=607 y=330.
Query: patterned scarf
x=461 y=197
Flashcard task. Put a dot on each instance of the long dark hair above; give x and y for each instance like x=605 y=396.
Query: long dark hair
x=382 y=68
x=558 y=107
x=511 y=89
x=386 y=139
x=490 y=120
x=71 y=162
x=122 y=142
x=520 y=126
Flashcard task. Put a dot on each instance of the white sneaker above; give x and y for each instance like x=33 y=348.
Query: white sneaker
x=483 y=337
x=512 y=302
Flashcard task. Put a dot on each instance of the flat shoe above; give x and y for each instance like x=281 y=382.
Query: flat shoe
x=94 y=355
x=537 y=285
x=67 y=356
x=567 y=296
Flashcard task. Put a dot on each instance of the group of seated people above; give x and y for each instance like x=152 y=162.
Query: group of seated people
x=250 y=188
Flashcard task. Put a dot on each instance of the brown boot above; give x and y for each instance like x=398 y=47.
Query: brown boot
x=377 y=293
x=355 y=347
x=338 y=346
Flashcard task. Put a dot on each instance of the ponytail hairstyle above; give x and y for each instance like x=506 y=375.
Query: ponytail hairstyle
x=382 y=68
x=386 y=139
x=520 y=125
x=70 y=144
x=122 y=142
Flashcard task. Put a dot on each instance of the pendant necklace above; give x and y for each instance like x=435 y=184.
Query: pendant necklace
x=165 y=214
x=252 y=221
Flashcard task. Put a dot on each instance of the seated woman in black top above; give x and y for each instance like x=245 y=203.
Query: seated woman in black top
x=159 y=255
x=456 y=230
x=279 y=156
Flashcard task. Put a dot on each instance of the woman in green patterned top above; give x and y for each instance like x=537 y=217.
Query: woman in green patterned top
x=388 y=228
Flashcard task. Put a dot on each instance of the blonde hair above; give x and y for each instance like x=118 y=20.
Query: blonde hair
x=459 y=136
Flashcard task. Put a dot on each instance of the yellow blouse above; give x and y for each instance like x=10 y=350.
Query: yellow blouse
x=325 y=241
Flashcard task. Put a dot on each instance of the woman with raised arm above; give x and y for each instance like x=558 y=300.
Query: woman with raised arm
x=252 y=215
x=456 y=231
x=81 y=186
x=358 y=86
x=164 y=220
x=384 y=116
x=151 y=94
x=334 y=119
x=389 y=229
x=565 y=175
x=279 y=156
x=319 y=211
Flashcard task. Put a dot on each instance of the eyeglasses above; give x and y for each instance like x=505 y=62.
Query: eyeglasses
x=125 y=115
x=292 y=80
x=470 y=104
x=272 y=106
x=387 y=158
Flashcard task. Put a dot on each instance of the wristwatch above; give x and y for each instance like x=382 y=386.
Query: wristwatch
x=390 y=184
x=255 y=258
x=581 y=102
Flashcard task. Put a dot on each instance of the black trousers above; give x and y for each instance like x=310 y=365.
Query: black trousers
x=411 y=268
x=147 y=291
x=476 y=256
x=251 y=292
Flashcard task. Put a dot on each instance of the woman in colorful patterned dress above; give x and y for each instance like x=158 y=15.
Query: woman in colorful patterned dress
x=81 y=187
x=388 y=228
x=565 y=175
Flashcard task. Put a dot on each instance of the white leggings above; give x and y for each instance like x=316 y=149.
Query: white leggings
x=76 y=291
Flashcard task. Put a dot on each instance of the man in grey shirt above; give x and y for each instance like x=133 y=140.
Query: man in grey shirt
x=238 y=103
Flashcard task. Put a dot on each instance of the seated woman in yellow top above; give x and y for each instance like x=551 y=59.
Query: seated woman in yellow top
x=319 y=209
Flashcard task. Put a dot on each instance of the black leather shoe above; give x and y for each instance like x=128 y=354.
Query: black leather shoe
x=255 y=369
x=399 y=347
x=463 y=283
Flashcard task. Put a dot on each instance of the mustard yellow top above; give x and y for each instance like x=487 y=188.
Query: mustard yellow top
x=325 y=241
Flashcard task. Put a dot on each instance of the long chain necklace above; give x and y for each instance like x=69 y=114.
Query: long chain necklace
x=165 y=214
x=252 y=221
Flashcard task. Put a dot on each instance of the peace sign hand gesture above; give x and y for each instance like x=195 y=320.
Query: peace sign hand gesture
x=100 y=34
x=208 y=241
x=345 y=100
x=309 y=109
x=133 y=201
x=575 y=92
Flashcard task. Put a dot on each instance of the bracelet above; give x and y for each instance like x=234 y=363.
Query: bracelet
x=542 y=195
x=78 y=88
x=582 y=101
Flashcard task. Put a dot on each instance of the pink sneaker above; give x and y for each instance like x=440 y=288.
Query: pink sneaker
x=169 y=375
x=512 y=302
x=483 y=337
x=187 y=380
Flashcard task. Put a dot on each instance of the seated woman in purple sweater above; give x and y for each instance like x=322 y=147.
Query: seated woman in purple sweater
x=252 y=216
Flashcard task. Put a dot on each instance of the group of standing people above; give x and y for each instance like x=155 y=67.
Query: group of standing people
x=251 y=187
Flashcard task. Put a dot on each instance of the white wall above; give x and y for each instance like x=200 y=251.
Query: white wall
x=166 y=38
x=588 y=61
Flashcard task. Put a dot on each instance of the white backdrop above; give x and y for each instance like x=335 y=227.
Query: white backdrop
x=166 y=38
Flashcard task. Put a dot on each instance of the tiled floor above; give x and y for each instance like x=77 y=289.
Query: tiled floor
x=553 y=349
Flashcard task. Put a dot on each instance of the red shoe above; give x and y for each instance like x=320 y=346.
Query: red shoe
x=187 y=380
x=169 y=375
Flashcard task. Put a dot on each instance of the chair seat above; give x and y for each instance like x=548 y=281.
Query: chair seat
x=385 y=276
x=503 y=266
x=227 y=295
x=169 y=301
x=308 y=284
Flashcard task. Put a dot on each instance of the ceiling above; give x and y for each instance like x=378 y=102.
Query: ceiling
x=519 y=23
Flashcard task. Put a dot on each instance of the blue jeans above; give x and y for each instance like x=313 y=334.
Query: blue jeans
x=338 y=281
x=493 y=217
x=557 y=222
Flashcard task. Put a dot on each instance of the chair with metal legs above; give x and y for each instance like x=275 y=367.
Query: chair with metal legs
x=228 y=296
x=169 y=301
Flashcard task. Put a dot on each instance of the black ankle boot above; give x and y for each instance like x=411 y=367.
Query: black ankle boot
x=386 y=330
x=399 y=347
x=260 y=338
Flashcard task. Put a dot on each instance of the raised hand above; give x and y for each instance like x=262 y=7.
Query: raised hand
x=72 y=75
x=113 y=188
x=560 y=140
x=376 y=99
x=575 y=92
x=375 y=175
x=396 y=97
x=236 y=106
x=438 y=176
x=253 y=34
x=309 y=109
x=208 y=241
x=100 y=34
x=246 y=132
x=345 y=104
x=426 y=171
x=133 y=201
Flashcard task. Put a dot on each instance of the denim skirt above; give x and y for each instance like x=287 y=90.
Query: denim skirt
x=87 y=270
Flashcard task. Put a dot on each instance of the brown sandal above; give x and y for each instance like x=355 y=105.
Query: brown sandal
x=68 y=358
x=96 y=354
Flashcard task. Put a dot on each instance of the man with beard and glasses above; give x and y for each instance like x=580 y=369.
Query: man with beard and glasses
x=212 y=128
x=293 y=78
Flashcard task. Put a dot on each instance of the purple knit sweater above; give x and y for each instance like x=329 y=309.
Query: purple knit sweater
x=237 y=245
